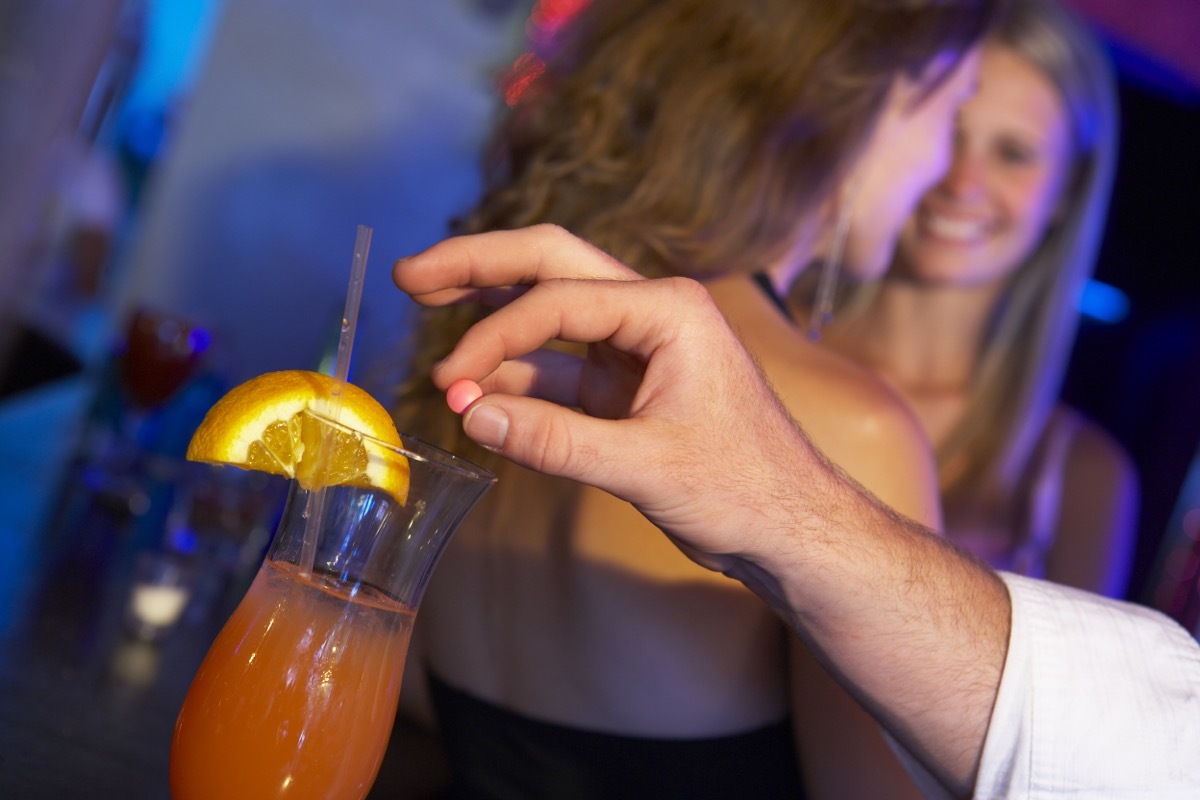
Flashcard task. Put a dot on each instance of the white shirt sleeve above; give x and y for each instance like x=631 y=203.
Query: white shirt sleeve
x=1099 y=699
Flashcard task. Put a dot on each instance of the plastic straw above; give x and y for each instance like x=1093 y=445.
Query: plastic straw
x=315 y=505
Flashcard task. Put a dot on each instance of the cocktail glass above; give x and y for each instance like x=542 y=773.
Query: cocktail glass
x=162 y=352
x=297 y=695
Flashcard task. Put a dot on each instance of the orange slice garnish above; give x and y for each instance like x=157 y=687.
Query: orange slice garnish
x=273 y=423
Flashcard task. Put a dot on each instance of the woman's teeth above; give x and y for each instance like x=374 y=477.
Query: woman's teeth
x=956 y=229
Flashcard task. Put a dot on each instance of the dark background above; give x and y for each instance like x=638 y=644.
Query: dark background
x=1140 y=377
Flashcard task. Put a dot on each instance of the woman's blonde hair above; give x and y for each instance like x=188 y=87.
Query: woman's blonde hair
x=696 y=137
x=1025 y=352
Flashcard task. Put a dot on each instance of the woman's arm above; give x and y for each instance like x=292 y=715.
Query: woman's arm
x=1097 y=523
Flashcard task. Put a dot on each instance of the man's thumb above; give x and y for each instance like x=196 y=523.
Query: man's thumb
x=487 y=424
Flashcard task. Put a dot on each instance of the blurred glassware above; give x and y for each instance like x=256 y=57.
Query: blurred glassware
x=163 y=583
x=224 y=515
x=221 y=518
x=162 y=352
x=149 y=396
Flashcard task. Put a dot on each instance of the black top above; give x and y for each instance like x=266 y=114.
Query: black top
x=496 y=754
x=764 y=282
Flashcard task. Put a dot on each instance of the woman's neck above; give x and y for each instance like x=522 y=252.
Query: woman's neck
x=922 y=338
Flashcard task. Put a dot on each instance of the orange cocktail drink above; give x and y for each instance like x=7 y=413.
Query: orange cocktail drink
x=297 y=696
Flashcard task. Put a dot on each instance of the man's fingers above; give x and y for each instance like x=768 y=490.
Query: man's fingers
x=627 y=315
x=458 y=268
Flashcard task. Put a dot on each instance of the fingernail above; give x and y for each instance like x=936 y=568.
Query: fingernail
x=487 y=425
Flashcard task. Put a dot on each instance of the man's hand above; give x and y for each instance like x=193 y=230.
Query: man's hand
x=676 y=417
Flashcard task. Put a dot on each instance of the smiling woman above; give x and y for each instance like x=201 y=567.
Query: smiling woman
x=975 y=319
x=1005 y=184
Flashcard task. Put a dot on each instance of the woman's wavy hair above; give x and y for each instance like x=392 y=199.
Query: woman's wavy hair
x=1024 y=356
x=695 y=137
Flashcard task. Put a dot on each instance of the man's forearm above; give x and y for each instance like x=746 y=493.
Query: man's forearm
x=917 y=631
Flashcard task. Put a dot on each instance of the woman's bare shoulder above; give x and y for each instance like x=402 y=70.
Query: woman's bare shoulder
x=858 y=421
x=817 y=384
x=835 y=392
x=864 y=427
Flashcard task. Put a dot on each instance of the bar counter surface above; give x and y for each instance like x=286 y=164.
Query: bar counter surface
x=88 y=708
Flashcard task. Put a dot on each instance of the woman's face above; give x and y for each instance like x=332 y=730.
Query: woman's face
x=1012 y=157
x=907 y=153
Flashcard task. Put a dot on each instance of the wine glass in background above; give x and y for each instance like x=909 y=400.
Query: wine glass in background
x=150 y=394
x=119 y=485
x=162 y=352
x=162 y=355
